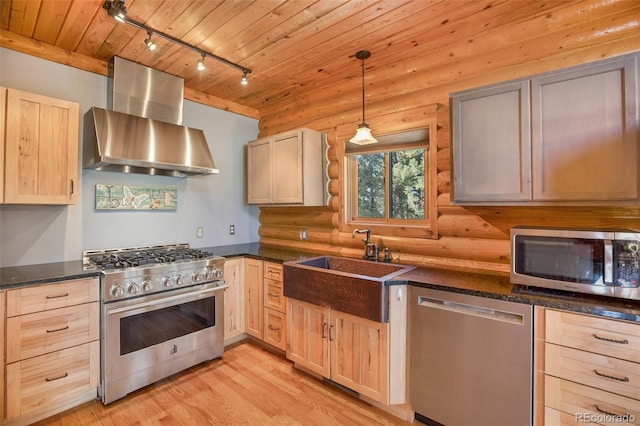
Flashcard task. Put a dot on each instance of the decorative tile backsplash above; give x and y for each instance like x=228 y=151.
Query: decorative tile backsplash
x=123 y=197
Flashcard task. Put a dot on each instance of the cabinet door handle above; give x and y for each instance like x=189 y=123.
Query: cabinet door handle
x=72 y=188
x=331 y=333
x=607 y=376
x=273 y=328
x=58 y=329
x=51 y=379
x=58 y=296
x=608 y=339
x=324 y=327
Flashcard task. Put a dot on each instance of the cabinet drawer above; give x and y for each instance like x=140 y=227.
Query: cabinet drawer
x=273 y=271
x=558 y=418
x=52 y=379
x=52 y=296
x=274 y=328
x=607 y=337
x=599 y=371
x=41 y=332
x=587 y=402
x=274 y=295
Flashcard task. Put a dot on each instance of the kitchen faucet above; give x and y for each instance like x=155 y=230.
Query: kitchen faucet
x=370 y=249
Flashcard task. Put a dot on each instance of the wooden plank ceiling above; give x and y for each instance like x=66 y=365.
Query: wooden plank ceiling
x=293 y=47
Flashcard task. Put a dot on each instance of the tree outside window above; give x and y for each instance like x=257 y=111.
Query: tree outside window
x=389 y=185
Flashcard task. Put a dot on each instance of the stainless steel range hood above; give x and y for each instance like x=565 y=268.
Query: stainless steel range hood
x=141 y=132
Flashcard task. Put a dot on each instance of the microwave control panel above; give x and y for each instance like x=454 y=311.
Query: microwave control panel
x=627 y=269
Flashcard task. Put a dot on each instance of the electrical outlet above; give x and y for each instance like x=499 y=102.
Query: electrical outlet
x=199 y=232
x=232 y=229
x=303 y=234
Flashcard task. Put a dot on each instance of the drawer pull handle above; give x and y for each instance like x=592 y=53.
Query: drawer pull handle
x=56 y=378
x=58 y=329
x=609 y=413
x=273 y=295
x=620 y=379
x=58 y=296
x=608 y=339
x=273 y=328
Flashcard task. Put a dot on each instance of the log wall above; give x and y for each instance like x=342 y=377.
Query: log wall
x=469 y=238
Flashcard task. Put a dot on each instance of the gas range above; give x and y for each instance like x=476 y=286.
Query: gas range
x=136 y=271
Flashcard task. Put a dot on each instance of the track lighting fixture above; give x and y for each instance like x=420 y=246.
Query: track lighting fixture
x=150 y=44
x=363 y=132
x=117 y=10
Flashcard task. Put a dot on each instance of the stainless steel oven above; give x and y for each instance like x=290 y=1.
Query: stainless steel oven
x=159 y=316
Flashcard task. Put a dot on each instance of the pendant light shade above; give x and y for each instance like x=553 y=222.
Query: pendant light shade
x=363 y=133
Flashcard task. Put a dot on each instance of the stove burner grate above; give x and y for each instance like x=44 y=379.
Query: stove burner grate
x=150 y=256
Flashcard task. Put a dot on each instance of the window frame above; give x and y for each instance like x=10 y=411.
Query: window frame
x=423 y=228
x=352 y=189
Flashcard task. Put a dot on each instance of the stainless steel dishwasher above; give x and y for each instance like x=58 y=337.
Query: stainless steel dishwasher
x=471 y=359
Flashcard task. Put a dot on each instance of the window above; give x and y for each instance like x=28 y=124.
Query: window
x=386 y=184
x=402 y=198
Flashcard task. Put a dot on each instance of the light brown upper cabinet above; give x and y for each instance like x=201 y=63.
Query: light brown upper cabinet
x=40 y=146
x=287 y=168
x=564 y=137
x=492 y=144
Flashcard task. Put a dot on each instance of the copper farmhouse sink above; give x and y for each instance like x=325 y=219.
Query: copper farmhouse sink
x=357 y=287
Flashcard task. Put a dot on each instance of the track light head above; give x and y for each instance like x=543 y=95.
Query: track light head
x=116 y=9
x=150 y=44
x=201 y=66
x=244 y=80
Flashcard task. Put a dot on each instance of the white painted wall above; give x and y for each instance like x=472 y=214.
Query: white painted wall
x=42 y=234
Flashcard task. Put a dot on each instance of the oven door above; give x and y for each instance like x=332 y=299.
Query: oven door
x=151 y=337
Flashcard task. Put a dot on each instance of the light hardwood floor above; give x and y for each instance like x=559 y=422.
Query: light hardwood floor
x=248 y=386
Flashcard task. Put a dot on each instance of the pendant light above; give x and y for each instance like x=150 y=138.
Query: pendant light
x=363 y=133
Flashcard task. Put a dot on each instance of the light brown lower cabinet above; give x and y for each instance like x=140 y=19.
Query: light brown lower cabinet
x=592 y=370
x=349 y=350
x=253 y=284
x=2 y=376
x=52 y=348
x=265 y=304
x=234 y=300
x=53 y=382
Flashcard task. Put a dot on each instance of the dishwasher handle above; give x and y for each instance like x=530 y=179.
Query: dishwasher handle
x=466 y=309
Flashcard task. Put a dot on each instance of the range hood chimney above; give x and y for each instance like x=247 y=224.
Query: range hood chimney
x=142 y=130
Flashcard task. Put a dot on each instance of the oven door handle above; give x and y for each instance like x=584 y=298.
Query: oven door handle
x=194 y=296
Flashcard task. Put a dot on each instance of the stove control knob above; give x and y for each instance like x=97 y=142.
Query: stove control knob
x=116 y=290
x=147 y=286
x=168 y=281
x=179 y=279
x=211 y=273
x=133 y=288
x=218 y=272
x=196 y=276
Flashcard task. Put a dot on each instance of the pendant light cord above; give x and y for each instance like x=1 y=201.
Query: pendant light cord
x=363 y=122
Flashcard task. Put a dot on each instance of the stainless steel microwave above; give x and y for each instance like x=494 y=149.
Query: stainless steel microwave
x=587 y=261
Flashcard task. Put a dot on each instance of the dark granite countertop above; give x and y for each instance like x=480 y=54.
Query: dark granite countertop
x=28 y=275
x=483 y=285
x=499 y=287
x=256 y=251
